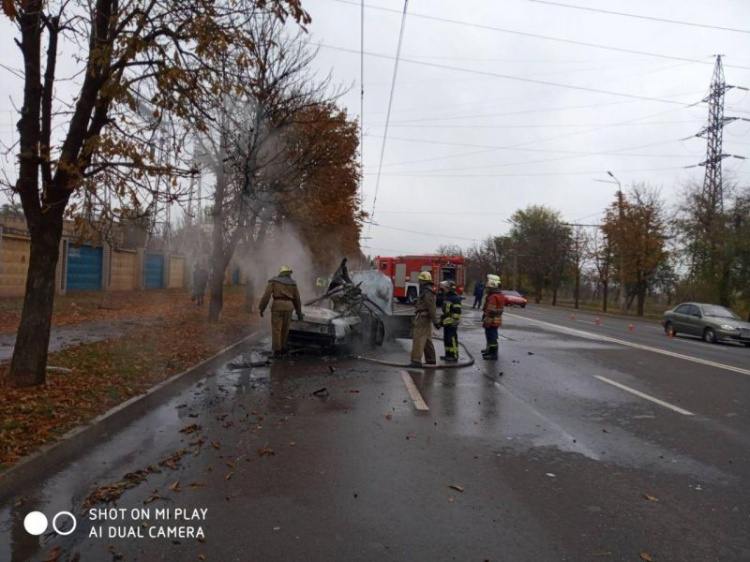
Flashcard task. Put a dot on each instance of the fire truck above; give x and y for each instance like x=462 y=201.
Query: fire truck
x=403 y=271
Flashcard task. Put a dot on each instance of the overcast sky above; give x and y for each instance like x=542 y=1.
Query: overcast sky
x=487 y=121
x=466 y=149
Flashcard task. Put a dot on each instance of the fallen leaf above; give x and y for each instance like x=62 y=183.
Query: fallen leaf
x=266 y=452
x=153 y=498
x=216 y=444
x=229 y=476
x=53 y=555
x=645 y=556
x=649 y=497
x=175 y=487
x=201 y=557
x=292 y=443
x=192 y=428
x=388 y=417
x=195 y=485
x=457 y=487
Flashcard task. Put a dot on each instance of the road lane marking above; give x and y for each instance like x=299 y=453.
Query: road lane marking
x=416 y=397
x=583 y=333
x=645 y=396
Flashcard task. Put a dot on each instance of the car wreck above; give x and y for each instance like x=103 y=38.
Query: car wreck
x=354 y=311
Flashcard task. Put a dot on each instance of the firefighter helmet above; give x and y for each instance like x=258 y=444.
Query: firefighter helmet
x=448 y=285
x=492 y=277
x=425 y=276
x=285 y=269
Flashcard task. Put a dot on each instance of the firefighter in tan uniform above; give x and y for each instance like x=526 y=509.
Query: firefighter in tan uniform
x=425 y=318
x=286 y=299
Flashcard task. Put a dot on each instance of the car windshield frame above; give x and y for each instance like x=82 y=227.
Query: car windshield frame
x=710 y=310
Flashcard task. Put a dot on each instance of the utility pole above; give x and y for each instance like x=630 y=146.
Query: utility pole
x=623 y=286
x=713 y=189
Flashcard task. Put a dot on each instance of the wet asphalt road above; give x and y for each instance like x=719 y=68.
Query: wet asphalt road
x=551 y=454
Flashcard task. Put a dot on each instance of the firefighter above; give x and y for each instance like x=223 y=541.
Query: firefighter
x=286 y=299
x=492 y=317
x=425 y=318
x=450 y=320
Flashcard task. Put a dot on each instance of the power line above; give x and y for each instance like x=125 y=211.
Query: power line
x=555 y=137
x=388 y=115
x=537 y=36
x=540 y=174
x=506 y=76
x=573 y=152
x=531 y=126
x=362 y=102
x=651 y=18
x=371 y=223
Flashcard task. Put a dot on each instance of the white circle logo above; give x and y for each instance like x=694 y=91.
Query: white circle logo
x=54 y=523
x=35 y=523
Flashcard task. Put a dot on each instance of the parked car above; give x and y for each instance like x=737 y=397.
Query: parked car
x=710 y=321
x=514 y=298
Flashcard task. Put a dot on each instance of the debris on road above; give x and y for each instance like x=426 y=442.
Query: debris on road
x=645 y=556
x=321 y=392
x=551 y=474
x=266 y=452
x=456 y=487
x=192 y=428
x=649 y=497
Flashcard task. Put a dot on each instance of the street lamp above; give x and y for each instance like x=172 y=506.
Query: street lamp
x=623 y=297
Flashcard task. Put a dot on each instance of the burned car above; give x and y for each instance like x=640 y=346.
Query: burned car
x=353 y=311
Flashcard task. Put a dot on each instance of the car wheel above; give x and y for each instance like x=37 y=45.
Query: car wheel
x=669 y=329
x=709 y=335
x=411 y=296
x=523 y=306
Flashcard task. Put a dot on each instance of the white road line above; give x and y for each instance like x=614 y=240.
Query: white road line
x=416 y=397
x=645 y=396
x=638 y=346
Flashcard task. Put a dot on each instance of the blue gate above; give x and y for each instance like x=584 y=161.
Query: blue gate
x=154 y=271
x=84 y=268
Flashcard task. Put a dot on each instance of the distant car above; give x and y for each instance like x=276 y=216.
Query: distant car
x=514 y=298
x=710 y=321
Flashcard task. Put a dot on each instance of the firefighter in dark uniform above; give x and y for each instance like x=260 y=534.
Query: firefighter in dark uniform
x=286 y=299
x=425 y=318
x=450 y=320
x=492 y=317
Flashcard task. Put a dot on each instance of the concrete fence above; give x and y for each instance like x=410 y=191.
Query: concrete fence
x=87 y=267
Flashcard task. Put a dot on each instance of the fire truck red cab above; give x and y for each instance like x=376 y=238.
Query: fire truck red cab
x=403 y=271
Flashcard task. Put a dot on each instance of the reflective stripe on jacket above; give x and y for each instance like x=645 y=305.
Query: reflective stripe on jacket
x=451 y=310
x=493 y=309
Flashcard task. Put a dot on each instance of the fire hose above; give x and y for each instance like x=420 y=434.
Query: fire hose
x=459 y=365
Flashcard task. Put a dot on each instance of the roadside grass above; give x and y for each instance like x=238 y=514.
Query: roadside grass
x=87 y=306
x=107 y=373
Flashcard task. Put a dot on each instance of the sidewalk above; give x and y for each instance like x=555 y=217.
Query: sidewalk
x=113 y=355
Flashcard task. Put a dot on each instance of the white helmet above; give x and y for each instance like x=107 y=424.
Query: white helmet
x=492 y=277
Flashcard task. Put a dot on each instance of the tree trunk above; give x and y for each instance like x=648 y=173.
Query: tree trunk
x=605 y=296
x=29 y=363
x=577 y=288
x=249 y=293
x=641 y=301
x=554 y=295
x=216 y=290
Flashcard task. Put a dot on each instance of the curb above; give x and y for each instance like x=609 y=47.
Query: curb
x=52 y=456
